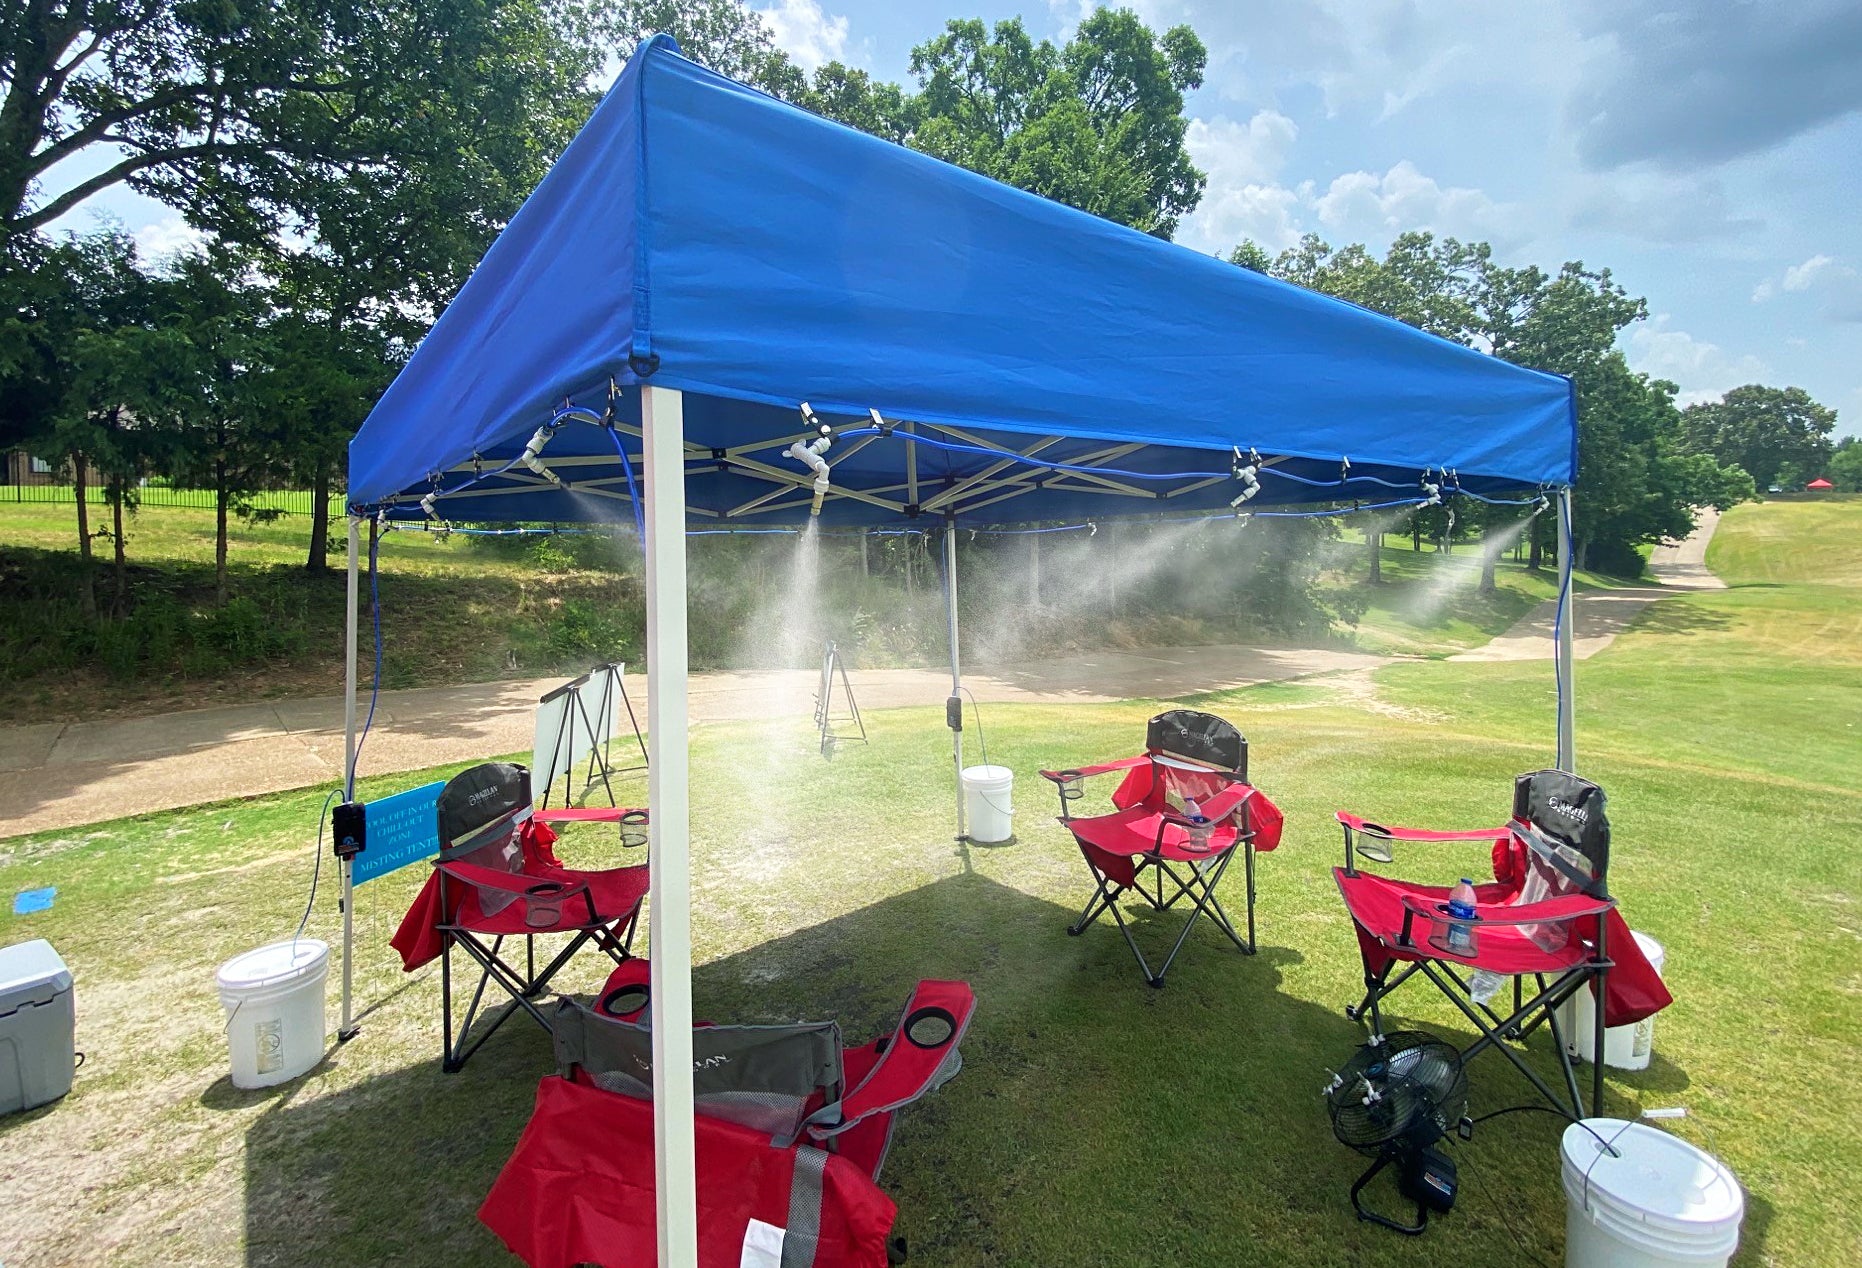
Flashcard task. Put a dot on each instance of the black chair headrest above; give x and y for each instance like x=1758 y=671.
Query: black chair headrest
x=478 y=797
x=1201 y=738
x=1568 y=811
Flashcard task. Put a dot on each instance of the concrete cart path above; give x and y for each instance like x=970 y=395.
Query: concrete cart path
x=1603 y=614
x=56 y=775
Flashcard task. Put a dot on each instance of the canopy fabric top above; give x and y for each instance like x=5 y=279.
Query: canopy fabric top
x=701 y=235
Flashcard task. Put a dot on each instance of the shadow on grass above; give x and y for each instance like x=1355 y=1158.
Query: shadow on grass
x=1682 y=618
x=1096 y=1120
x=393 y=1169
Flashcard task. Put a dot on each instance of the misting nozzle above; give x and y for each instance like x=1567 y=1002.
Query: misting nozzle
x=532 y=455
x=808 y=453
x=426 y=505
x=1435 y=494
x=1248 y=473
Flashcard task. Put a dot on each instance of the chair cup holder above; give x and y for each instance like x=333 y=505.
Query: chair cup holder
x=634 y=829
x=543 y=904
x=1072 y=785
x=1373 y=843
x=1452 y=935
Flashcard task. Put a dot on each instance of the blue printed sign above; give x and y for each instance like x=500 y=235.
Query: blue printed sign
x=402 y=829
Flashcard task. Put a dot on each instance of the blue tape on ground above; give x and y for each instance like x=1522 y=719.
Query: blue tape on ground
x=28 y=901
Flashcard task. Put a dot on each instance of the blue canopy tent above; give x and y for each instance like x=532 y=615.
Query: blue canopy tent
x=703 y=259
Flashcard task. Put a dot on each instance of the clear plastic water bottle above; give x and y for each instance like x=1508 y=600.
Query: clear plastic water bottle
x=1461 y=916
x=1199 y=824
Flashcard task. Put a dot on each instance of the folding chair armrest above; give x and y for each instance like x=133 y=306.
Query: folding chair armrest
x=1217 y=809
x=920 y=1056
x=521 y=886
x=592 y=814
x=1086 y=772
x=1357 y=823
x=1550 y=912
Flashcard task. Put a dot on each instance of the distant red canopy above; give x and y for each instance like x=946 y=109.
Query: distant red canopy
x=1818 y=485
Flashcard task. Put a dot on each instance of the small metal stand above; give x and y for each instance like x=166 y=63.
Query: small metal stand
x=835 y=729
x=590 y=711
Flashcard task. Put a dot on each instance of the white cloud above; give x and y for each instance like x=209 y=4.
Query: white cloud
x=1704 y=370
x=1243 y=198
x=1361 y=204
x=1800 y=276
x=162 y=238
x=807 y=33
x=1836 y=286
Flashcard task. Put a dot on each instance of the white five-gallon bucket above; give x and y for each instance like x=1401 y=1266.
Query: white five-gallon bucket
x=989 y=803
x=1658 y=1202
x=274 y=1010
x=1624 y=1047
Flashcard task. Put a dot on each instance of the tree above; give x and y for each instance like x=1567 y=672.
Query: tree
x=222 y=110
x=724 y=35
x=1844 y=468
x=222 y=438
x=90 y=361
x=1764 y=430
x=1097 y=124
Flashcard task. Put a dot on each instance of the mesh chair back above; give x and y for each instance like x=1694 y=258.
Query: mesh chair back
x=767 y=1078
x=481 y=812
x=1200 y=739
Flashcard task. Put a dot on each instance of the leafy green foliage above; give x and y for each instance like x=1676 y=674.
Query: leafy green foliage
x=1097 y=124
x=1844 y=468
x=1772 y=432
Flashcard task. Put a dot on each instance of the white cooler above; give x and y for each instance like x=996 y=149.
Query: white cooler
x=37 y=1026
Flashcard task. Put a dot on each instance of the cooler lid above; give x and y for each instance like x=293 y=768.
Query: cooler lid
x=31 y=973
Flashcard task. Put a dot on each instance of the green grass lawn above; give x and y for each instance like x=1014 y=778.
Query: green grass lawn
x=1096 y=1121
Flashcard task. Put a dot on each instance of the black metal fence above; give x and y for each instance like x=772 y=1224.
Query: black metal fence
x=284 y=501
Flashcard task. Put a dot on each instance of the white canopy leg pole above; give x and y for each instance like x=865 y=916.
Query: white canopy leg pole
x=347 y=1027
x=953 y=709
x=1567 y=640
x=668 y=800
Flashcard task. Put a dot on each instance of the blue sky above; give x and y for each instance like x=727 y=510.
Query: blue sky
x=1707 y=151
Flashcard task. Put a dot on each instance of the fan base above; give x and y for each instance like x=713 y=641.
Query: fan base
x=1426 y=1177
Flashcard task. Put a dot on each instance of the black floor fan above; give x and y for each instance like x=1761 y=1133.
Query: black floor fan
x=1397 y=1096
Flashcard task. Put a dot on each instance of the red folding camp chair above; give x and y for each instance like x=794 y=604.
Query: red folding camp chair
x=791 y=1133
x=1183 y=809
x=497 y=877
x=1548 y=916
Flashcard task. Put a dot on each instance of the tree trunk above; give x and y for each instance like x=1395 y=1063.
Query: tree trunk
x=1535 y=554
x=1490 y=559
x=1415 y=533
x=87 y=590
x=219 y=530
x=866 y=566
x=319 y=559
x=120 y=603
x=1583 y=559
x=1374 y=545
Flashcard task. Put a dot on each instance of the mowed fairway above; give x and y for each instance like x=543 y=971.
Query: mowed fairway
x=1096 y=1121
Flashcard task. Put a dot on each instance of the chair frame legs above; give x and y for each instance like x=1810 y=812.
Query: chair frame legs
x=1527 y=1015
x=1195 y=883
x=616 y=938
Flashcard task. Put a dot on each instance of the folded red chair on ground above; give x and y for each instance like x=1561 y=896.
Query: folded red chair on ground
x=791 y=1133
x=497 y=877
x=1180 y=813
x=1547 y=916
